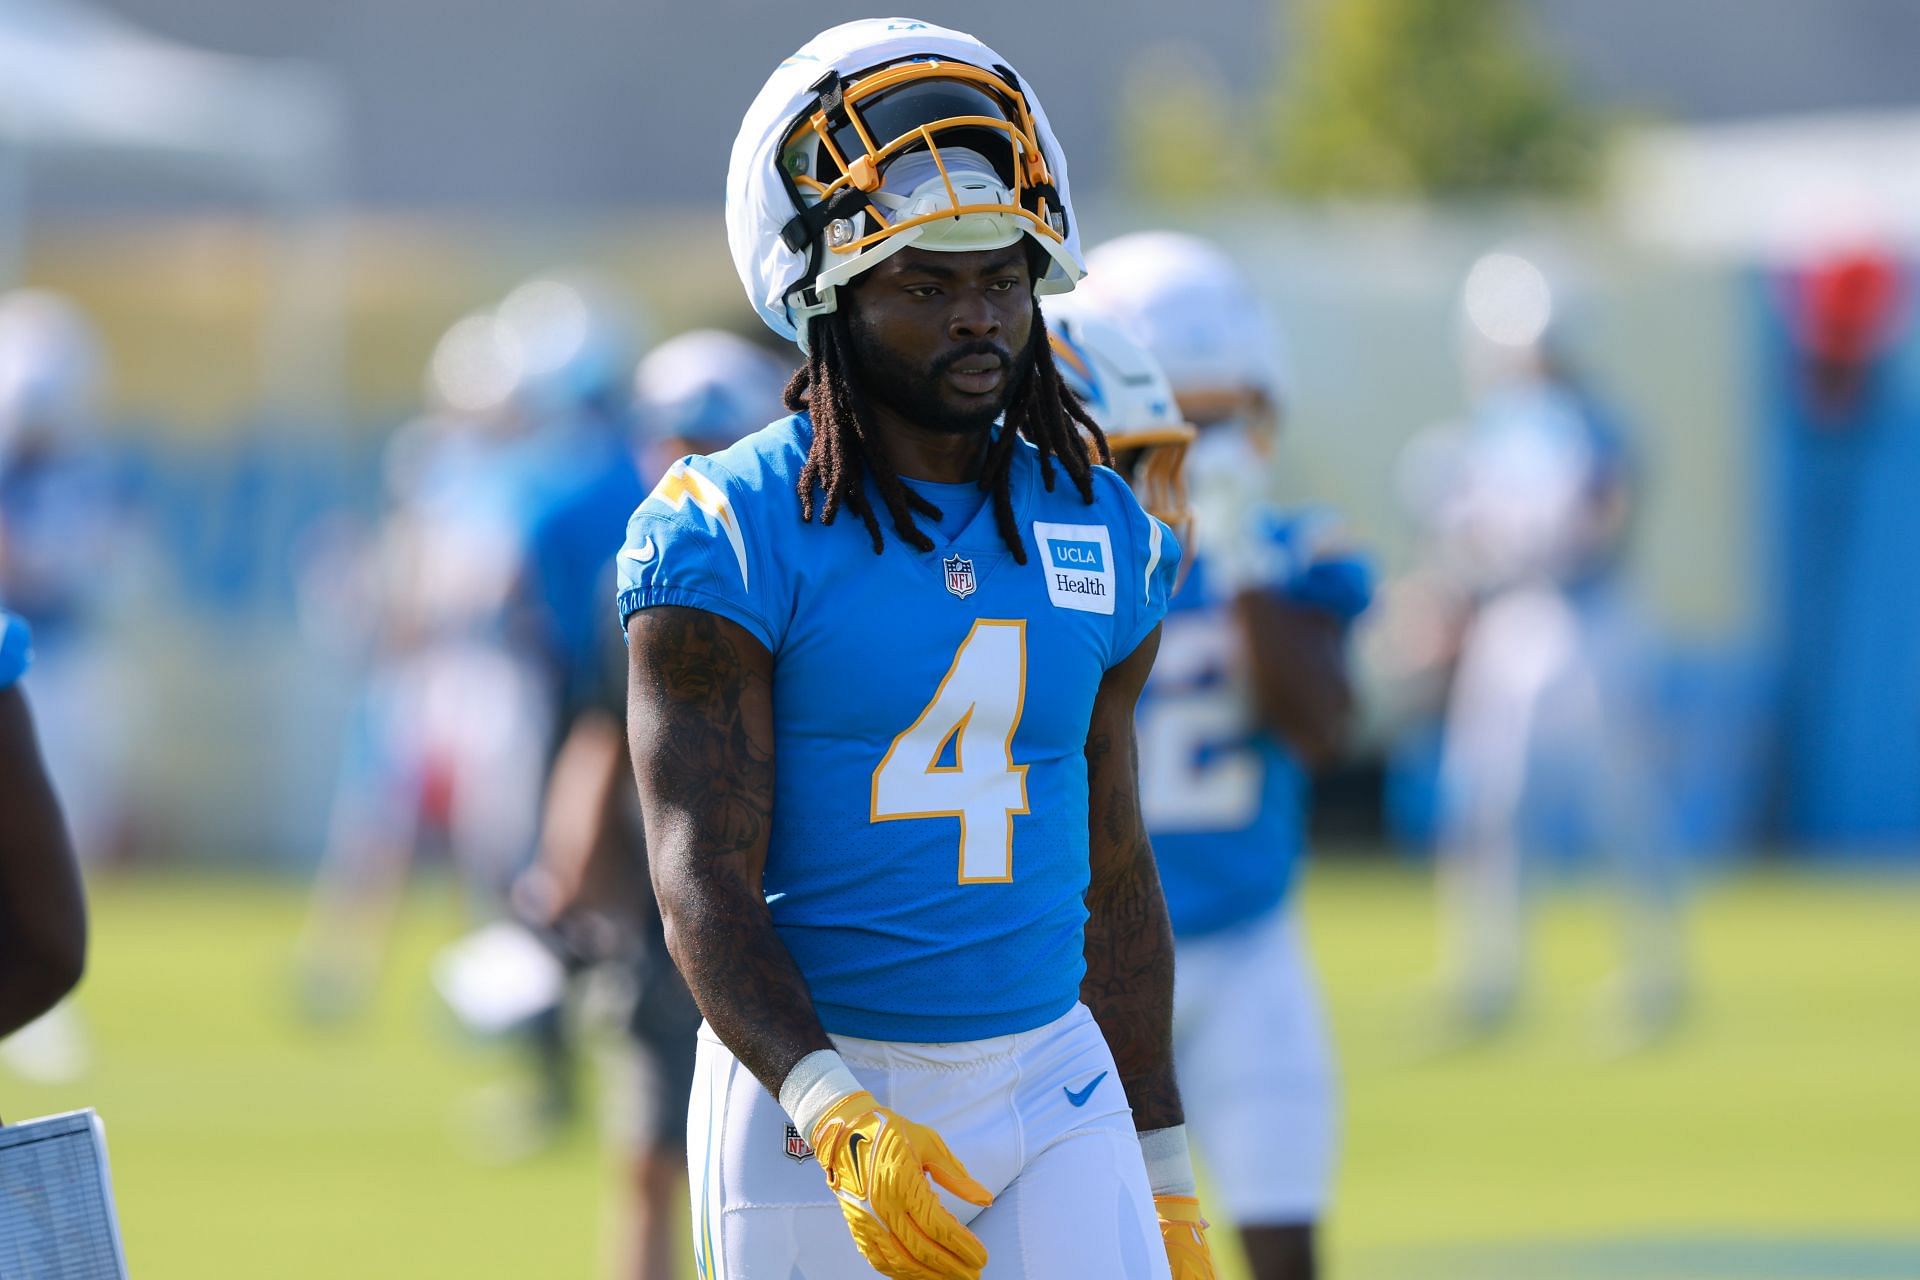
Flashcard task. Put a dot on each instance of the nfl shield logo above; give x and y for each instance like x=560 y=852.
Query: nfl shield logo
x=959 y=576
x=797 y=1148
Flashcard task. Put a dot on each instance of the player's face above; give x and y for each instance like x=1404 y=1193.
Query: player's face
x=944 y=339
x=1210 y=406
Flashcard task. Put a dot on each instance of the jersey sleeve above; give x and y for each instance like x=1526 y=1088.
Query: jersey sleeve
x=688 y=544
x=1147 y=583
x=16 y=649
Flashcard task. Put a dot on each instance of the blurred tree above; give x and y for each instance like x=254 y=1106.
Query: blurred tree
x=1179 y=135
x=1425 y=98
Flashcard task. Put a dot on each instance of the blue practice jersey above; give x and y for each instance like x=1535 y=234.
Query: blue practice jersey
x=1224 y=800
x=582 y=483
x=16 y=649
x=929 y=851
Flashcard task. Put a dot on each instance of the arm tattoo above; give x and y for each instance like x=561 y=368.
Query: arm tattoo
x=700 y=725
x=1129 y=982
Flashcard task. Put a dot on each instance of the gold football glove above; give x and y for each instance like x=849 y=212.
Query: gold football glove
x=1184 y=1232
x=878 y=1162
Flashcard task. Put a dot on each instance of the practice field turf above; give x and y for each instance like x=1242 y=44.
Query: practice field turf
x=1777 y=1135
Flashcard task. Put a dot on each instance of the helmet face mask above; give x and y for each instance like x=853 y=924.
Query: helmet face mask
x=929 y=152
x=896 y=114
x=1154 y=463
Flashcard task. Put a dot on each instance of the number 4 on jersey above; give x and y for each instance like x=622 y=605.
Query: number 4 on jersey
x=956 y=760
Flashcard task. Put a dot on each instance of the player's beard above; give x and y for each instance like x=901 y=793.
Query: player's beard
x=913 y=392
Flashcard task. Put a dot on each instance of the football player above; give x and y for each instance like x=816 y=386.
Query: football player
x=884 y=656
x=456 y=720
x=63 y=569
x=60 y=562
x=1526 y=511
x=1249 y=694
x=43 y=916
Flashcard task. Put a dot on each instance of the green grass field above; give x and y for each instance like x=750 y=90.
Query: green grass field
x=1777 y=1135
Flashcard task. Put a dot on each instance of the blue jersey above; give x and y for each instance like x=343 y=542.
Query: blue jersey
x=929 y=852
x=16 y=649
x=1224 y=800
x=582 y=483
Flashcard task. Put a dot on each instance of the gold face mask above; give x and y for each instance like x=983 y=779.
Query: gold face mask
x=1154 y=460
x=860 y=126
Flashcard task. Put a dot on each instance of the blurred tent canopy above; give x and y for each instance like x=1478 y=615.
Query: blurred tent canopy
x=1774 y=190
x=75 y=80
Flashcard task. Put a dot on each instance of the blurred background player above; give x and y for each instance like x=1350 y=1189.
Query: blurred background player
x=60 y=568
x=456 y=716
x=508 y=499
x=58 y=551
x=588 y=889
x=43 y=917
x=1525 y=513
x=572 y=343
x=1249 y=694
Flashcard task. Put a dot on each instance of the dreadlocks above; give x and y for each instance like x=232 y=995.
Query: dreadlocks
x=1044 y=410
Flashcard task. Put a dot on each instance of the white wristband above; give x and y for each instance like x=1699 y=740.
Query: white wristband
x=811 y=1089
x=1169 y=1166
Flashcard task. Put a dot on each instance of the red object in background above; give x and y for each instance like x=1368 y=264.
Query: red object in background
x=436 y=792
x=1848 y=309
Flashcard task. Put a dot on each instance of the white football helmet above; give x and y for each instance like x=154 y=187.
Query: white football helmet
x=570 y=341
x=708 y=386
x=1195 y=310
x=473 y=371
x=1125 y=391
x=885 y=133
x=1511 y=318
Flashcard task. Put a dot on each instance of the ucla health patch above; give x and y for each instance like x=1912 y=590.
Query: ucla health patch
x=1078 y=562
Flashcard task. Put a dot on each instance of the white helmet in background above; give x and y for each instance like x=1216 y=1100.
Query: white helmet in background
x=570 y=341
x=1510 y=319
x=1125 y=391
x=708 y=386
x=50 y=365
x=882 y=134
x=473 y=372
x=1196 y=311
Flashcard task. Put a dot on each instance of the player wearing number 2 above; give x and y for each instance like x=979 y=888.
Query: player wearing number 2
x=884 y=658
x=1250 y=690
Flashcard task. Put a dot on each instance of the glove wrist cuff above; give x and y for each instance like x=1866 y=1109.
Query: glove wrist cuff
x=1169 y=1164
x=817 y=1083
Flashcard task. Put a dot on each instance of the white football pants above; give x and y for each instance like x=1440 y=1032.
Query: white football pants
x=1256 y=1070
x=1070 y=1195
x=1549 y=696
